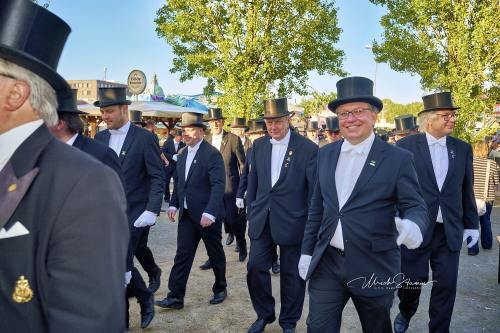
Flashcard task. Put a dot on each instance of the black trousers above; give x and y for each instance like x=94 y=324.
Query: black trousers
x=143 y=253
x=169 y=173
x=444 y=265
x=189 y=233
x=328 y=295
x=236 y=226
x=292 y=287
x=137 y=288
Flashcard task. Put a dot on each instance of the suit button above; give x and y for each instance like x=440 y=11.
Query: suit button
x=340 y=214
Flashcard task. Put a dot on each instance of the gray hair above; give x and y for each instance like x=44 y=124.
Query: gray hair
x=424 y=119
x=42 y=98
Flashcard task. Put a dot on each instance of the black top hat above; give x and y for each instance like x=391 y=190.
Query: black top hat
x=438 y=101
x=112 y=96
x=178 y=132
x=214 y=114
x=313 y=126
x=256 y=126
x=66 y=101
x=136 y=117
x=404 y=124
x=24 y=28
x=192 y=119
x=355 y=89
x=332 y=124
x=276 y=108
x=239 y=123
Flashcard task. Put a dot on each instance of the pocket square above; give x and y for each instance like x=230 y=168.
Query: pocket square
x=18 y=229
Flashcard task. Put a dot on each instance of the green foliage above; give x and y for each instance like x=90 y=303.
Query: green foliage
x=251 y=49
x=317 y=103
x=392 y=110
x=453 y=45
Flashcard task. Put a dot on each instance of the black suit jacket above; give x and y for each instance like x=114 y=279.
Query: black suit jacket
x=458 y=205
x=169 y=151
x=242 y=187
x=286 y=203
x=142 y=170
x=203 y=189
x=387 y=181
x=234 y=159
x=74 y=255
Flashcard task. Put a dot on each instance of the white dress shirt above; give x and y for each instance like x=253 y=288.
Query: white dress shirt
x=72 y=139
x=13 y=138
x=117 y=138
x=243 y=139
x=351 y=161
x=439 y=157
x=217 y=140
x=277 y=156
x=176 y=145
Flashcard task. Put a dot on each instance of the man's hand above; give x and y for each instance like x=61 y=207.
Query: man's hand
x=240 y=203
x=147 y=218
x=304 y=262
x=171 y=213
x=473 y=234
x=409 y=233
x=206 y=221
x=165 y=160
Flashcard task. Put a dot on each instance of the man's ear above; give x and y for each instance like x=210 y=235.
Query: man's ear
x=18 y=93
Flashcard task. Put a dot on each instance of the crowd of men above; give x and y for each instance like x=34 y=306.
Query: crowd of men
x=354 y=218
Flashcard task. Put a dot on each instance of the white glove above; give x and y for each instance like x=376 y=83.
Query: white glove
x=240 y=203
x=128 y=277
x=174 y=157
x=409 y=233
x=146 y=219
x=304 y=262
x=472 y=233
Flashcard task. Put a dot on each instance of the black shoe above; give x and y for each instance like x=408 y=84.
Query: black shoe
x=243 y=254
x=472 y=253
x=169 y=302
x=219 y=297
x=230 y=239
x=147 y=312
x=289 y=330
x=259 y=325
x=206 y=265
x=237 y=248
x=154 y=281
x=276 y=267
x=400 y=324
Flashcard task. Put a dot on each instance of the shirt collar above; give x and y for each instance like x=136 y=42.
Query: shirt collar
x=218 y=136
x=431 y=140
x=72 y=140
x=195 y=148
x=13 y=138
x=282 y=142
x=361 y=148
x=122 y=130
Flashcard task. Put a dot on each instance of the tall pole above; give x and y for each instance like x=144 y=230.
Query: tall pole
x=370 y=47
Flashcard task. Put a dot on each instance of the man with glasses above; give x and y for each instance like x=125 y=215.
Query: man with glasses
x=444 y=168
x=350 y=247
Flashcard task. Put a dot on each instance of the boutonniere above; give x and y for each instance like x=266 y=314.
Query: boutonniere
x=372 y=163
x=452 y=153
x=194 y=162
x=123 y=152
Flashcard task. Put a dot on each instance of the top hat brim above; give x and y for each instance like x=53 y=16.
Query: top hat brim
x=239 y=126
x=437 y=109
x=202 y=125
x=210 y=119
x=276 y=116
x=56 y=81
x=71 y=111
x=110 y=103
x=333 y=105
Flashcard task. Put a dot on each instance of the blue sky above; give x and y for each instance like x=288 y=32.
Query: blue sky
x=120 y=35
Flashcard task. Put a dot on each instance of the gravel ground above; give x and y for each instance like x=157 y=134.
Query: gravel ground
x=477 y=307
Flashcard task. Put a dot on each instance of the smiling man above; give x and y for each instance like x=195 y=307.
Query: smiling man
x=351 y=240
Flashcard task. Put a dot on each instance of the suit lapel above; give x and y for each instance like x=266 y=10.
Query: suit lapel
x=372 y=163
x=78 y=142
x=334 y=159
x=195 y=162
x=224 y=141
x=425 y=154
x=129 y=138
x=289 y=155
x=450 y=146
x=181 y=161
x=106 y=135
x=267 y=154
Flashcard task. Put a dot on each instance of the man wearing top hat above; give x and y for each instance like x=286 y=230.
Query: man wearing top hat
x=139 y=155
x=62 y=269
x=405 y=126
x=312 y=132
x=198 y=197
x=232 y=152
x=444 y=168
x=350 y=247
x=280 y=184
x=170 y=149
x=239 y=128
x=332 y=130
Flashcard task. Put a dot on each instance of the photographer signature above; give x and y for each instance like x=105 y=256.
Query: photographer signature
x=397 y=281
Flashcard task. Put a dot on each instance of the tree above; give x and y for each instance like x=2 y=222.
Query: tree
x=392 y=110
x=317 y=103
x=251 y=49
x=453 y=45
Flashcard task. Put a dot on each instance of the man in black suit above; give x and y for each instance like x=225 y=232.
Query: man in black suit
x=332 y=130
x=444 y=168
x=62 y=251
x=239 y=128
x=139 y=156
x=198 y=194
x=350 y=247
x=280 y=185
x=169 y=151
x=232 y=152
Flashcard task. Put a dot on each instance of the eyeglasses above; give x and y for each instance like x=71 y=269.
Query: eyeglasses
x=447 y=117
x=343 y=115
